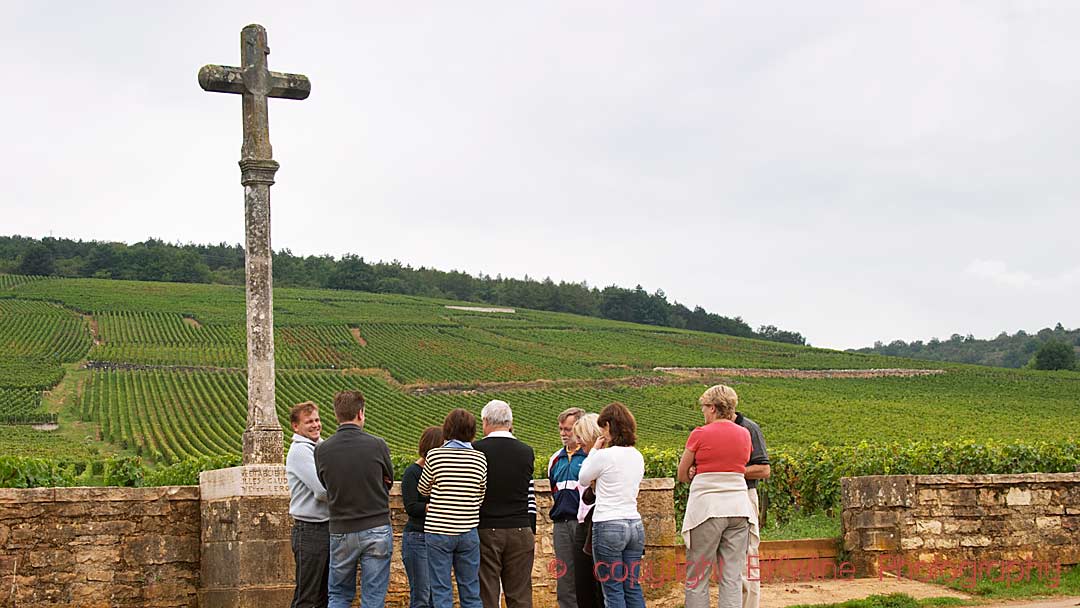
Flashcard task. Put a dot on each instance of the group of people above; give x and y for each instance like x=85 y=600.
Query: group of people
x=472 y=510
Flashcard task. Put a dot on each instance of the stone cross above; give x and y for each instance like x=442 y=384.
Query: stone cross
x=254 y=82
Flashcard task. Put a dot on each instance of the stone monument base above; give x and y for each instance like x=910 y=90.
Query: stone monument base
x=247 y=560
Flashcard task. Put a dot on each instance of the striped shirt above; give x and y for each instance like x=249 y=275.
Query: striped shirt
x=455 y=479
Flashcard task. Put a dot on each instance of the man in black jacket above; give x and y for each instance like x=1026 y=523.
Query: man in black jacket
x=355 y=468
x=508 y=513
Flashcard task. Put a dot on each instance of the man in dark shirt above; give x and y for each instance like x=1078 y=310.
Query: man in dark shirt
x=356 y=470
x=508 y=513
x=757 y=468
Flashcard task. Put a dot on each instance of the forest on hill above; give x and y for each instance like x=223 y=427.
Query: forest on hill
x=1015 y=351
x=155 y=260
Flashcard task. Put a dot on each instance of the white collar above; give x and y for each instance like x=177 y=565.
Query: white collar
x=500 y=434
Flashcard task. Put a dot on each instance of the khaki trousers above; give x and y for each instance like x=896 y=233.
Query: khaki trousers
x=717 y=547
x=751 y=589
x=506 y=561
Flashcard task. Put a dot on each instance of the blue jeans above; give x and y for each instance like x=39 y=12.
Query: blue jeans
x=462 y=551
x=618 y=546
x=370 y=549
x=415 y=557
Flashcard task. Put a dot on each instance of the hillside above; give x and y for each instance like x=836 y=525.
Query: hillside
x=155 y=260
x=1005 y=350
x=156 y=369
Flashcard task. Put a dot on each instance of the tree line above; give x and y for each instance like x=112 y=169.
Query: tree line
x=1046 y=349
x=155 y=260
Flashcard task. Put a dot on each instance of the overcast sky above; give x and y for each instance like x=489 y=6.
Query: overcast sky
x=851 y=170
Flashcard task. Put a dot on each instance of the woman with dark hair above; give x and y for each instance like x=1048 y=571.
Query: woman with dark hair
x=618 y=536
x=413 y=548
x=455 y=477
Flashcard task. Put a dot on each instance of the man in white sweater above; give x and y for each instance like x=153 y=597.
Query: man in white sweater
x=309 y=509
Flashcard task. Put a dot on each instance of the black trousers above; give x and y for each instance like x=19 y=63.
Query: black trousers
x=587 y=588
x=311 y=550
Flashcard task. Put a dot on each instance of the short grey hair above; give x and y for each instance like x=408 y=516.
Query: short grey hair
x=497 y=413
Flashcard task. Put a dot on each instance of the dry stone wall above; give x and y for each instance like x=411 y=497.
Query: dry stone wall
x=656 y=503
x=891 y=521
x=798 y=374
x=158 y=547
x=99 y=547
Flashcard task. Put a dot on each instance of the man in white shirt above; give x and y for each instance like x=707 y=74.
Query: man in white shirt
x=309 y=509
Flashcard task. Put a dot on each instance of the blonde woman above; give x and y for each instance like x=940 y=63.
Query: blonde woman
x=716 y=527
x=586 y=587
x=586 y=431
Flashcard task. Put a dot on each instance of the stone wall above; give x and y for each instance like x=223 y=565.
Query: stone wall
x=656 y=503
x=165 y=547
x=99 y=547
x=264 y=561
x=926 y=519
x=799 y=374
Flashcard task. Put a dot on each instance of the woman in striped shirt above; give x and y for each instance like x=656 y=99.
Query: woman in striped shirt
x=455 y=478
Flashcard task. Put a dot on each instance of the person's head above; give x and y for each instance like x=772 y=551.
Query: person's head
x=460 y=425
x=718 y=403
x=618 y=425
x=586 y=431
x=305 y=420
x=496 y=416
x=349 y=407
x=430 y=438
x=567 y=419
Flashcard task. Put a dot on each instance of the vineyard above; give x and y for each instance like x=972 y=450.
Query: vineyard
x=172 y=415
x=36 y=340
x=7 y=281
x=414 y=340
x=156 y=370
x=22 y=406
x=40 y=330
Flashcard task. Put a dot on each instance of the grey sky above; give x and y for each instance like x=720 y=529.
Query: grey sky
x=855 y=171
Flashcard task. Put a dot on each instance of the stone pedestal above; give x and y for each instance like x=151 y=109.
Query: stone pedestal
x=246 y=556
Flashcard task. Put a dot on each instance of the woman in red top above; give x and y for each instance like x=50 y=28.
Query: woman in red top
x=716 y=527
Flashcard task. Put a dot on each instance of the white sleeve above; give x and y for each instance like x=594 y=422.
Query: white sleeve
x=301 y=463
x=594 y=465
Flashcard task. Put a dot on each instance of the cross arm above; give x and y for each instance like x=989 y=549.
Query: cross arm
x=227 y=79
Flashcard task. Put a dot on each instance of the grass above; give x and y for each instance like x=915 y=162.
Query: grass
x=893 y=600
x=814 y=525
x=1052 y=580
x=1043 y=580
